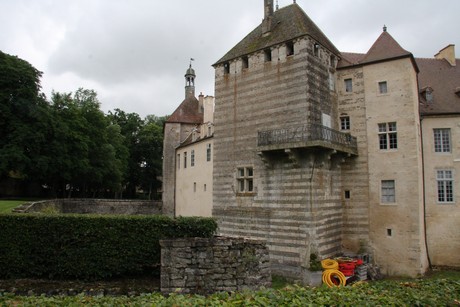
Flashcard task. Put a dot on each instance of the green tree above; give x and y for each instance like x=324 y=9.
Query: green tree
x=130 y=125
x=23 y=119
x=89 y=155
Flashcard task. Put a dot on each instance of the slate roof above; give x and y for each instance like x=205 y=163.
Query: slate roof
x=384 y=48
x=444 y=79
x=288 y=23
x=187 y=112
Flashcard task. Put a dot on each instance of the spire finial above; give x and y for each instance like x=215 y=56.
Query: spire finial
x=191 y=59
x=277 y=6
x=294 y=2
x=384 y=28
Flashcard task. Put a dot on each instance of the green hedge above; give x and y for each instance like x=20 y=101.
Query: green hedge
x=89 y=247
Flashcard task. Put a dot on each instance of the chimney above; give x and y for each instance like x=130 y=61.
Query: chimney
x=448 y=54
x=200 y=103
x=268 y=16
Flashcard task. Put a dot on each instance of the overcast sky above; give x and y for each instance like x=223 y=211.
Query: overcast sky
x=134 y=53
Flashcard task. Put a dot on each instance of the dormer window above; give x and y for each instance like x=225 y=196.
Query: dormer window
x=194 y=135
x=427 y=93
x=289 y=48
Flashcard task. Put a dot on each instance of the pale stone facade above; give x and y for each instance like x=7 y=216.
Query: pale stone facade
x=443 y=216
x=194 y=166
x=187 y=154
x=395 y=232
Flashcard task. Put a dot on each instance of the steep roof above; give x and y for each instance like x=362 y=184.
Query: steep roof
x=288 y=23
x=187 y=112
x=444 y=79
x=384 y=48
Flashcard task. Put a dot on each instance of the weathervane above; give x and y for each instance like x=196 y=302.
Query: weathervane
x=191 y=59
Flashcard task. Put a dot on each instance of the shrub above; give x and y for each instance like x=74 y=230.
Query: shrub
x=89 y=247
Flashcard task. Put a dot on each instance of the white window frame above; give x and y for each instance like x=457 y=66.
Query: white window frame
x=348 y=85
x=442 y=140
x=345 y=123
x=445 y=186
x=388 y=191
x=388 y=136
x=245 y=179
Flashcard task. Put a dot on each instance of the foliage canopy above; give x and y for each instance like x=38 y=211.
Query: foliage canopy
x=68 y=145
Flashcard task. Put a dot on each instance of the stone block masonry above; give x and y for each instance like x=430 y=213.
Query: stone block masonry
x=208 y=265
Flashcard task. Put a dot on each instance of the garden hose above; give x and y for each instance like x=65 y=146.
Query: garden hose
x=329 y=264
x=334 y=278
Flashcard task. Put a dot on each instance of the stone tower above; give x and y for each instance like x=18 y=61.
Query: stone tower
x=178 y=126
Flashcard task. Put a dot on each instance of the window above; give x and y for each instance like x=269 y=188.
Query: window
x=332 y=61
x=192 y=158
x=441 y=140
x=245 y=179
x=331 y=81
x=268 y=55
x=388 y=191
x=388 y=138
x=178 y=161
x=226 y=68
x=344 y=122
x=445 y=182
x=289 y=48
x=208 y=152
x=209 y=130
x=347 y=194
x=383 y=87
x=204 y=187
x=316 y=49
x=185 y=159
x=245 y=61
x=348 y=85
x=194 y=187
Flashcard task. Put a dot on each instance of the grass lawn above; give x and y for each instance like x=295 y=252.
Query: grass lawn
x=7 y=205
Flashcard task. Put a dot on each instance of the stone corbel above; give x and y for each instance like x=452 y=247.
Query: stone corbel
x=293 y=157
x=264 y=159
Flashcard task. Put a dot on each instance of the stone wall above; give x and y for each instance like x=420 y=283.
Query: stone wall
x=93 y=206
x=203 y=265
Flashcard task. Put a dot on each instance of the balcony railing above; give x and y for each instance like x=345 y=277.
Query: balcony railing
x=306 y=135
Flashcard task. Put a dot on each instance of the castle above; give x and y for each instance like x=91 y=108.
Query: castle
x=319 y=151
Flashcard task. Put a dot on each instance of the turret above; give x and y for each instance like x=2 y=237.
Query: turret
x=190 y=82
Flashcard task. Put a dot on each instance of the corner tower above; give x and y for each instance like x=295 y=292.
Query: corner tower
x=177 y=128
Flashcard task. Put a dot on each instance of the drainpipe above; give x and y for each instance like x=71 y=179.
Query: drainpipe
x=424 y=196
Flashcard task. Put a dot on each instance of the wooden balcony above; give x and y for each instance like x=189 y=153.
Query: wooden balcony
x=307 y=136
